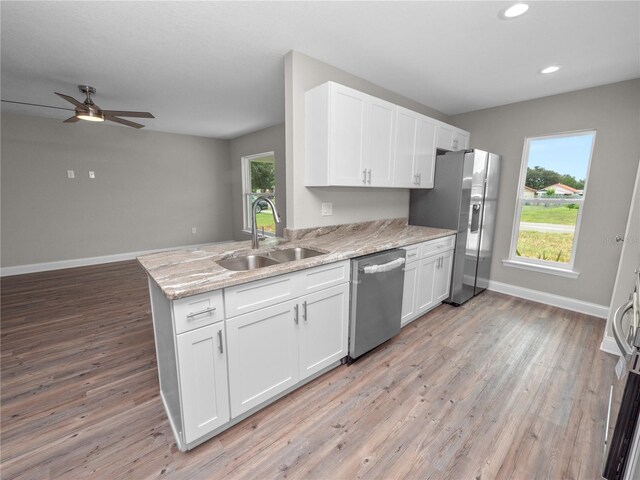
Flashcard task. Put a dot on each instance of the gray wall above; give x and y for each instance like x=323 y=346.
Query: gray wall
x=612 y=110
x=349 y=204
x=271 y=139
x=150 y=189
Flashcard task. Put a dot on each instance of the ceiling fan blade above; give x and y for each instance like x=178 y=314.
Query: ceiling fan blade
x=122 y=121
x=37 y=105
x=123 y=113
x=72 y=100
x=73 y=119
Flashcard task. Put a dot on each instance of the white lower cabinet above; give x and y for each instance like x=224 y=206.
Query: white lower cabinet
x=272 y=349
x=263 y=355
x=442 y=281
x=427 y=277
x=202 y=365
x=409 y=292
x=324 y=323
x=425 y=299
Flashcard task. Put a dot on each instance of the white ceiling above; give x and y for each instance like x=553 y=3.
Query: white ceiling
x=216 y=69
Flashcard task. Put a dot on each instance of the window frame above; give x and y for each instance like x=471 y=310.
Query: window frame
x=246 y=188
x=548 y=266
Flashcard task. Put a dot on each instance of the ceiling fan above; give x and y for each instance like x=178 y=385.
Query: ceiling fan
x=88 y=110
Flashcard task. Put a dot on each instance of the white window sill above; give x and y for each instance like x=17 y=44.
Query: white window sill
x=562 y=272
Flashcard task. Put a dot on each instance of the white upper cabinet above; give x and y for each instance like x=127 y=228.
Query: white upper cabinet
x=353 y=139
x=378 y=158
x=405 y=148
x=347 y=131
x=424 y=163
x=451 y=138
x=348 y=138
x=415 y=149
x=334 y=135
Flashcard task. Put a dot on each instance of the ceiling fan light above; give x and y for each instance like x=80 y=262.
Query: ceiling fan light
x=550 y=69
x=90 y=115
x=513 y=11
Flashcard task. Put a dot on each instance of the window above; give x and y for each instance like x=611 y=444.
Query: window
x=258 y=178
x=551 y=194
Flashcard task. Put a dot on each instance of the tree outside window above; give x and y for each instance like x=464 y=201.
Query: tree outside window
x=258 y=173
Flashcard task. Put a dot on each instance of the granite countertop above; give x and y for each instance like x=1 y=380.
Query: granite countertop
x=189 y=271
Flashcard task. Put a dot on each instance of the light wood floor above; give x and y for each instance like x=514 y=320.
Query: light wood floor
x=499 y=388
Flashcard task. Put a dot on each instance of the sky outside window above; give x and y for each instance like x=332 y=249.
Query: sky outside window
x=565 y=155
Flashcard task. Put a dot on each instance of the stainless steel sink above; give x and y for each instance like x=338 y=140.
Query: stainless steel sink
x=247 y=262
x=290 y=254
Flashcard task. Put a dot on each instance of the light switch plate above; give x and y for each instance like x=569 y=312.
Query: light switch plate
x=92 y=174
x=327 y=209
x=71 y=174
x=194 y=230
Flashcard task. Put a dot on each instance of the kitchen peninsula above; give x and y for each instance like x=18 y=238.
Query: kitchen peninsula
x=230 y=342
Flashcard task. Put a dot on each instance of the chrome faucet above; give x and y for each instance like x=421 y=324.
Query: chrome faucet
x=254 y=223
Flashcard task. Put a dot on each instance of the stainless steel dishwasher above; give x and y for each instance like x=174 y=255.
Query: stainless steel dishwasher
x=376 y=300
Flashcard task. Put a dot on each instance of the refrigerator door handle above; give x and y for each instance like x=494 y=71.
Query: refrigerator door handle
x=475 y=218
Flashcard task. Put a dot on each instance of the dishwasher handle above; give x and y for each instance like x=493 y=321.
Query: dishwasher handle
x=385 y=267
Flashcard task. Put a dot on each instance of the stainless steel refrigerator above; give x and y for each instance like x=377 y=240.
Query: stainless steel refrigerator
x=464 y=199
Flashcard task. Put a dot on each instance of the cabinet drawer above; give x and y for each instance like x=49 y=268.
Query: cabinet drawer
x=259 y=294
x=324 y=276
x=198 y=310
x=413 y=252
x=437 y=246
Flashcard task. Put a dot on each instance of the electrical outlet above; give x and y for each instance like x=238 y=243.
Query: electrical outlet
x=71 y=174
x=327 y=209
x=92 y=174
x=194 y=230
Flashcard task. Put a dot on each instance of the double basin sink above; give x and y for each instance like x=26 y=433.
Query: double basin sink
x=251 y=262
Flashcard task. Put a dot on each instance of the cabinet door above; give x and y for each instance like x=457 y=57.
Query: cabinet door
x=263 y=355
x=443 y=276
x=405 y=148
x=379 y=153
x=426 y=282
x=460 y=140
x=204 y=388
x=425 y=152
x=347 y=136
x=324 y=322
x=409 y=292
x=444 y=138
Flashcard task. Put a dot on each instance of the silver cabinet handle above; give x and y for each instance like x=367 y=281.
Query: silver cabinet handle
x=364 y=176
x=369 y=176
x=304 y=310
x=295 y=313
x=220 y=340
x=415 y=178
x=419 y=178
x=206 y=310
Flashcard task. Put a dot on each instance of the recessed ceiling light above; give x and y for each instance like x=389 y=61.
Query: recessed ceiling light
x=550 y=69
x=513 y=11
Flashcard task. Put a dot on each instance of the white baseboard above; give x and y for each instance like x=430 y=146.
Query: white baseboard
x=83 y=262
x=609 y=345
x=580 y=306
